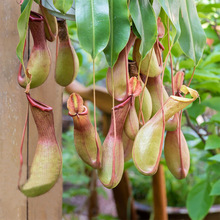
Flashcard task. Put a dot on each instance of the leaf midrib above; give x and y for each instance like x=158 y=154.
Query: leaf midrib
x=111 y=28
x=93 y=30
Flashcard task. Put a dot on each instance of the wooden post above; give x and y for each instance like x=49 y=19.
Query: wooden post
x=13 y=204
x=159 y=195
x=124 y=200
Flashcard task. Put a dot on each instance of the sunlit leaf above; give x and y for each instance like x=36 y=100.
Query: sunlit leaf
x=201 y=7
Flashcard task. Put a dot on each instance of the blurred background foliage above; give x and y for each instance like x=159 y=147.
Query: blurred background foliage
x=200 y=124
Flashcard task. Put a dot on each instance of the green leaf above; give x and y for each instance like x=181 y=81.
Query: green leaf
x=172 y=7
x=213 y=142
x=207 y=7
x=157 y=7
x=214 y=168
x=211 y=85
x=24 y=4
x=145 y=22
x=187 y=64
x=210 y=32
x=198 y=201
x=202 y=74
x=177 y=50
x=119 y=30
x=192 y=38
x=214 y=57
x=215 y=189
x=215 y=118
x=213 y=103
x=215 y=158
x=196 y=110
x=70 y=15
x=92 y=21
x=22 y=26
x=63 y=5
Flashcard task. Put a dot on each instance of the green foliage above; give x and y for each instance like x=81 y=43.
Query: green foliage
x=192 y=39
x=22 y=26
x=213 y=142
x=145 y=22
x=119 y=30
x=199 y=201
x=103 y=25
x=92 y=20
x=63 y=5
x=172 y=9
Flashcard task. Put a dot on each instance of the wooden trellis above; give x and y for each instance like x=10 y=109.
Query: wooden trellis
x=13 y=106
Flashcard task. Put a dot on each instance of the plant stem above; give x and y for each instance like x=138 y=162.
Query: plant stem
x=189 y=123
x=94 y=101
x=194 y=68
x=22 y=143
x=113 y=105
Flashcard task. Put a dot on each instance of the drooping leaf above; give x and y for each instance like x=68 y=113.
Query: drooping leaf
x=177 y=50
x=199 y=201
x=213 y=103
x=157 y=7
x=22 y=26
x=119 y=30
x=63 y=5
x=92 y=21
x=69 y=15
x=172 y=7
x=215 y=189
x=145 y=22
x=192 y=38
x=213 y=142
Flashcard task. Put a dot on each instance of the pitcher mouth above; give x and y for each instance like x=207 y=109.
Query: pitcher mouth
x=85 y=112
x=34 y=16
x=38 y=104
x=158 y=48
